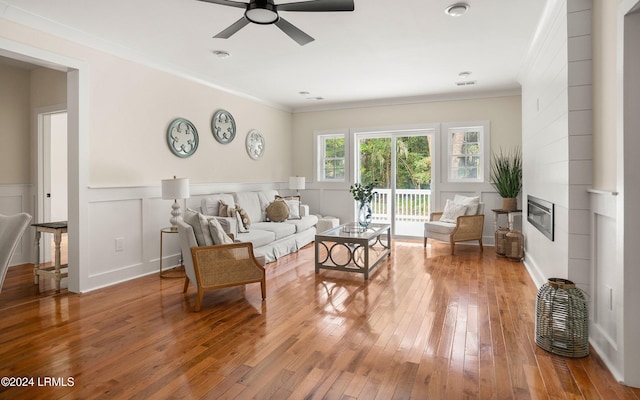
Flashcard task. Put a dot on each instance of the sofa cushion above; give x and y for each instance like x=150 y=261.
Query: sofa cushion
x=210 y=205
x=257 y=237
x=266 y=197
x=280 y=229
x=303 y=223
x=250 y=202
x=277 y=211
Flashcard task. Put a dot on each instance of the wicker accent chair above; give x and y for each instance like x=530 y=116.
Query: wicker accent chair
x=466 y=228
x=218 y=266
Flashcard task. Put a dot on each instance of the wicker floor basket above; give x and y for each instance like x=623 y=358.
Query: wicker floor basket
x=501 y=241
x=562 y=320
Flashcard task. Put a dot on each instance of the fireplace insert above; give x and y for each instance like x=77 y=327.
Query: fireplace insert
x=540 y=215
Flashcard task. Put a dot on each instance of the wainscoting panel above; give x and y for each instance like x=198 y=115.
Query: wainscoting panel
x=607 y=290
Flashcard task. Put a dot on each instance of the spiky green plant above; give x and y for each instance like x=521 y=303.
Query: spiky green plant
x=506 y=172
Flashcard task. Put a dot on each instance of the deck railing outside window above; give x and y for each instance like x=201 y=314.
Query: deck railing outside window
x=412 y=205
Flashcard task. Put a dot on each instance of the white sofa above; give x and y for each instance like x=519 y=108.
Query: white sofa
x=270 y=239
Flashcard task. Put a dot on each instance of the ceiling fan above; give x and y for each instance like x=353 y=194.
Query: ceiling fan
x=265 y=12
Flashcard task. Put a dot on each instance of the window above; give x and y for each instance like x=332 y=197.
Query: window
x=466 y=154
x=331 y=157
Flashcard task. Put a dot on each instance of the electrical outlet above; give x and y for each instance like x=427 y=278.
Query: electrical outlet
x=119 y=244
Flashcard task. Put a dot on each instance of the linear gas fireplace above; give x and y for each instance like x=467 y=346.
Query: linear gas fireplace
x=540 y=215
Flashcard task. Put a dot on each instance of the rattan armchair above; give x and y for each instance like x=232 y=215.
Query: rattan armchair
x=466 y=228
x=218 y=266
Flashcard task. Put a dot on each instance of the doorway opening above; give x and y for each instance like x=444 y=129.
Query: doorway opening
x=52 y=173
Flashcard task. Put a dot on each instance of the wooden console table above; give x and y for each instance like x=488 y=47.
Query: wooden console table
x=54 y=271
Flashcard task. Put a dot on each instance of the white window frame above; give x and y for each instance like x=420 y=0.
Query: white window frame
x=483 y=128
x=319 y=155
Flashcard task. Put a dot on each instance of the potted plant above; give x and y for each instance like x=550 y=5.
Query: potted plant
x=506 y=176
x=363 y=194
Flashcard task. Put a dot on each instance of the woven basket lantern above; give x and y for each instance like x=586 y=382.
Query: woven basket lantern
x=501 y=241
x=562 y=320
x=515 y=245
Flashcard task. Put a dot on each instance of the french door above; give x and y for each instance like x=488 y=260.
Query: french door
x=400 y=164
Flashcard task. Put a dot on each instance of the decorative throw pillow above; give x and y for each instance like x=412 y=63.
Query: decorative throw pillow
x=472 y=203
x=243 y=219
x=452 y=211
x=200 y=226
x=224 y=210
x=218 y=234
x=277 y=211
x=293 y=202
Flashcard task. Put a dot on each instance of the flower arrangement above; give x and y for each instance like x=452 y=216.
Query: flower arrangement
x=363 y=193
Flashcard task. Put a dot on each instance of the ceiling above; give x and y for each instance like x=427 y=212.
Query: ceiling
x=383 y=52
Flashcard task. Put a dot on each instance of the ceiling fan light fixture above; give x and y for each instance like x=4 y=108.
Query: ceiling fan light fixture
x=263 y=14
x=457 y=9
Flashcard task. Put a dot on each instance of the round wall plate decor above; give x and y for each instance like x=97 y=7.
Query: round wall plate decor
x=223 y=126
x=255 y=144
x=182 y=137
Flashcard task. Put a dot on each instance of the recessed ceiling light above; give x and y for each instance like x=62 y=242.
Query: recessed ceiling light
x=456 y=10
x=464 y=74
x=221 y=53
x=304 y=93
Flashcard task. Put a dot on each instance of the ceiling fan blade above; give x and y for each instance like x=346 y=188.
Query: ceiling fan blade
x=293 y=32
x=235 y=27
x=227 y=3
x=318 y=5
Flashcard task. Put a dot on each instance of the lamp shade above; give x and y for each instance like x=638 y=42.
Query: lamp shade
x=176 y=188
x=296 y=182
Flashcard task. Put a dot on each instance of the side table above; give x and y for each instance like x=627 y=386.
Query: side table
x=174 y=272
x=56 y=270
x=510 y=216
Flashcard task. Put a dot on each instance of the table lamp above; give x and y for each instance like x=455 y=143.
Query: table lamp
x=296 y=183
x=174 y=189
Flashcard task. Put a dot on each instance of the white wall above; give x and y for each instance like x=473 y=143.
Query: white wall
x=503 y=114
x=124 y=110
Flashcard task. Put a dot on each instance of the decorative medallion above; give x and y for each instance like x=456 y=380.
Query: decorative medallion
x=223 y=126
x=182 y=137
x=255 y=144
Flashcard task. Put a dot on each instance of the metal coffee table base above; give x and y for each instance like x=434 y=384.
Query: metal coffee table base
x=340 y=249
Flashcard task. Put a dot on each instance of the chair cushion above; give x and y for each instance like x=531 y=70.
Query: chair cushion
x=471 y=203
x=452 y=211
x=440 y=227
x=218 y=234
x=200 y=225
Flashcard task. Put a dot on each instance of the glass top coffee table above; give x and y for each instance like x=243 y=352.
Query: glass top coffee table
x=351 y=248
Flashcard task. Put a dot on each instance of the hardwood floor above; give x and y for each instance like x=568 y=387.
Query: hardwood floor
x=426 y=326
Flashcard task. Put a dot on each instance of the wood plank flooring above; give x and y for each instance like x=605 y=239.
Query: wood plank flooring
x=426 y=325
